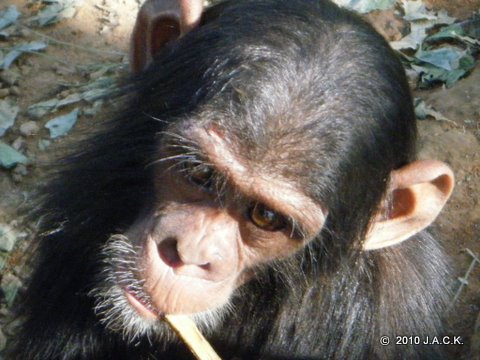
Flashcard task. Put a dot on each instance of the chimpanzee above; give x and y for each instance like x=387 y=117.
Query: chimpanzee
x=262 y=179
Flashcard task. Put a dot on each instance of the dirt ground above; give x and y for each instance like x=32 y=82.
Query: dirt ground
x=99 y=34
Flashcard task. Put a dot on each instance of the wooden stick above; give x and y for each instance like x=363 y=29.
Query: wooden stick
x=191 y=336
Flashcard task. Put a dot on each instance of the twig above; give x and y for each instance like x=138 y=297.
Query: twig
x=80 y=47
x=191 y=336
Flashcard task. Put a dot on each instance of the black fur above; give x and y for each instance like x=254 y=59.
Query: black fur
x=268 y=71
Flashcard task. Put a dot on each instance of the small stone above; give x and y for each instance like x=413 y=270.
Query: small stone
x=63 y=70
x=97 y=74
x=8 y=32
x=4 y=93
x=15 y=90
x=94 y=109
x=19 y=143
x=29 y=128
x=43 y=144
x=11 y=328
x=17 y=178
x=21 y=169
x=25 y=69
x=24 y=33
x=10 y=285
x=64 y=93
x=9 y=77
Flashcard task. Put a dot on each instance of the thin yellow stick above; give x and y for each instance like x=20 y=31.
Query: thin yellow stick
x=192 y=337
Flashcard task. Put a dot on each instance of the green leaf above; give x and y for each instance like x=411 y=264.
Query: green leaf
x=9 y=157
x=8 y=113
x=364 y=6
x=42 y=108
x=55 y=11
x=61 y=125
x=8 y=16
x=447 y=58
x=7 y=238
x=90 y=92
x=18 y=50
x=468 y=32
x=423 y=111
x=446 y=33
x=431 y=74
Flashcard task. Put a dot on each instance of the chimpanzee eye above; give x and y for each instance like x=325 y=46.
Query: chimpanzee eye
x=266 y=218
x=199 y=174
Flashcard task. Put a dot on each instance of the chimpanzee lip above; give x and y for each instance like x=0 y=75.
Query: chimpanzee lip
x=142 y=305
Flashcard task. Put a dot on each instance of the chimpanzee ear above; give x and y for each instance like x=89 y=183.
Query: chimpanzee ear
x=159 y=22
x=417 y=194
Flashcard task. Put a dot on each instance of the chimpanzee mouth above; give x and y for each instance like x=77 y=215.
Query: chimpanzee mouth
x=121 y=303
x=123 y=306
x=142 y=304
x=121 y=260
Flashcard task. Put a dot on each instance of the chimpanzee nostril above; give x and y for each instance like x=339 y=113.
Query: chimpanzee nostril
x=169 y=253
x=206 y=267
